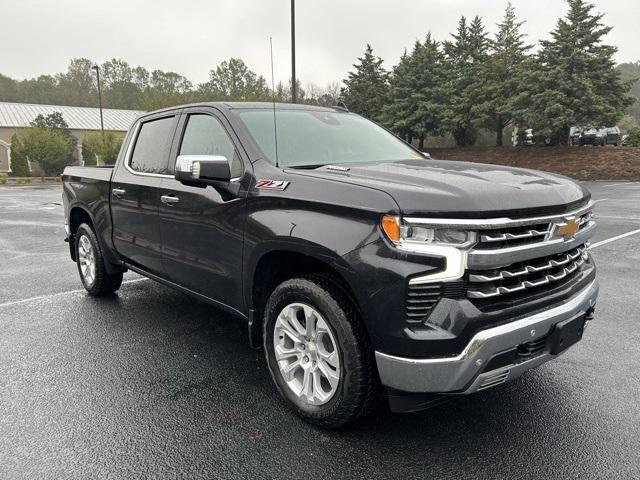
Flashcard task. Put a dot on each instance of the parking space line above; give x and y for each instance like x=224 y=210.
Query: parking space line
x=619 y=184
x=60 y=294
x=614 y=217
x=613 y=239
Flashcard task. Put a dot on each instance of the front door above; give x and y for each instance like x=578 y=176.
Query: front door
x=135 y=193
x=202 y=229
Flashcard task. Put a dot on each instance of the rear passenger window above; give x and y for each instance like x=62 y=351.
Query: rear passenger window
x=205 y=135
x=151 y=150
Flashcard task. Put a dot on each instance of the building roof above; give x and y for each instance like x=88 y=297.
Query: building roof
x=78 y=118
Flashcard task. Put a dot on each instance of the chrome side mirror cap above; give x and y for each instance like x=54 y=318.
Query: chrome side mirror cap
x=202 y=169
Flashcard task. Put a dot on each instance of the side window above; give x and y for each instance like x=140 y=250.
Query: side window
x=205 y=135
x=151 y=150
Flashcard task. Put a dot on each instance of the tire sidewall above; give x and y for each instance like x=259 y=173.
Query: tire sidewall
x=306 y=292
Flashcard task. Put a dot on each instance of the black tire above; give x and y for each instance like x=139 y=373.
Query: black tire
x=102 y=282
x=358 y=389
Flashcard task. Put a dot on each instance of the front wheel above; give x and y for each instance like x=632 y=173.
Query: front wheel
x=91 y=265
x=318 y=352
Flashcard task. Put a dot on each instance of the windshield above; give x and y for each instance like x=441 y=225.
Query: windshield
x=315 y=138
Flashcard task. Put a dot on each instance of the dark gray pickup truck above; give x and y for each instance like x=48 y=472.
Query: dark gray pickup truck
x=360 y=265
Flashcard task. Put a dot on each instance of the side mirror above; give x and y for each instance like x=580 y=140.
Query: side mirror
x=427 y=155
x=202 y=169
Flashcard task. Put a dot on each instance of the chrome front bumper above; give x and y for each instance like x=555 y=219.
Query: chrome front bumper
x=464 y=373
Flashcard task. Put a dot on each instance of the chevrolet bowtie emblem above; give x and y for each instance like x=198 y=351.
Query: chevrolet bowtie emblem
x=567 y=229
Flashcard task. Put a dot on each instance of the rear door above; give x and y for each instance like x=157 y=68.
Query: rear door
x=135 y=192
x=202 y=229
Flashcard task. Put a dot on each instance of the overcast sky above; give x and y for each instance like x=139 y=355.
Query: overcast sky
x=192 y=36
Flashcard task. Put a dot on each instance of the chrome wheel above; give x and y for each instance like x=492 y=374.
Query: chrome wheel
x=307 y=353
x=87 y=260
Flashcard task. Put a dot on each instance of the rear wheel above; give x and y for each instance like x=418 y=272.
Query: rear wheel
x=318 y=352
x=91 y=265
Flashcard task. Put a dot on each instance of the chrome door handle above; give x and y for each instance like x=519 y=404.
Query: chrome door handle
x=169 y=199
x=118 y=192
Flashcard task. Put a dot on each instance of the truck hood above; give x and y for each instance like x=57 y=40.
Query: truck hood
x=464 y=189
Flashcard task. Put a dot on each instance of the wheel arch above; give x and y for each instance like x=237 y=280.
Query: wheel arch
x=276 y=263
x=77 y=216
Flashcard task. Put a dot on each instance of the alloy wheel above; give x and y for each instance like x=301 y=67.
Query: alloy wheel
x=87 y=260
x=307 y=353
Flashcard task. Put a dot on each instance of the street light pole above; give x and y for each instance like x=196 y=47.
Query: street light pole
x=294 y=85
x=97 y=69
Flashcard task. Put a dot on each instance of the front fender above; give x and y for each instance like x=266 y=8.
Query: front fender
x=326 y=236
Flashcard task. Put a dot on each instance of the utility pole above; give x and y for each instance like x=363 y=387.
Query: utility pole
x=294 y=84
x=97 y=69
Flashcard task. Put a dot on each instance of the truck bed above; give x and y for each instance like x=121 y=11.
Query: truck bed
x=89 y=173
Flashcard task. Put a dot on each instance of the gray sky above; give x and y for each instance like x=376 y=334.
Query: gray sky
x=192 y=36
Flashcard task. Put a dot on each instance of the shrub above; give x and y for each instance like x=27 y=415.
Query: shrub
x=49 y=147
x=95 y=146
x=634 y=137
x=19 y=164
x=3 y=179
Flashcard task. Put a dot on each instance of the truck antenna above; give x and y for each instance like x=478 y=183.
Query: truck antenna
x=273 y=97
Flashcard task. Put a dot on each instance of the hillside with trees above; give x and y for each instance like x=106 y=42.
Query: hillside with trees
x=467 y=89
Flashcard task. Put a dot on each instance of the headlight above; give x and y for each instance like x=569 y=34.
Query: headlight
x=441 y=236
x=449 y=243
x=400 y=233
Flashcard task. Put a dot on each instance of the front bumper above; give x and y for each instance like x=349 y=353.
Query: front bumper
x=465 y=373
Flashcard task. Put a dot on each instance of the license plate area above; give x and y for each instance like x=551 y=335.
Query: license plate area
x=565 y=334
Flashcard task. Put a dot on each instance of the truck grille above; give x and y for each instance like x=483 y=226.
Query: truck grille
x=522 y=276
x=420 y=301
x=521 y=235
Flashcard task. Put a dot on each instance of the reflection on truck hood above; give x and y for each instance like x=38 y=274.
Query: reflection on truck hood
x=465 y=189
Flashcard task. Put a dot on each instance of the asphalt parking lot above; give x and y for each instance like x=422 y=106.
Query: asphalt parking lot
x=152 y=384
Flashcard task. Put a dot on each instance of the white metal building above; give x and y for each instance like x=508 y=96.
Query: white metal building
x=81 y=120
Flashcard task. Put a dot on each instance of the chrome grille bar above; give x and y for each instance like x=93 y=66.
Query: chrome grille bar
x=506 y=274
x=576 y=258
x=501 y=237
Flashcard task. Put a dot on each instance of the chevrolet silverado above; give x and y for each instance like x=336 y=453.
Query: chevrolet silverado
x=362 y=267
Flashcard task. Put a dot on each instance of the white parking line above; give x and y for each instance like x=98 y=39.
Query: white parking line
x=613 y=239
x=59 y=294
x=619 y=184
x=614 y=217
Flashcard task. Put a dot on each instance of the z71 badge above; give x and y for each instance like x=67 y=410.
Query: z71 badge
x=278 y=185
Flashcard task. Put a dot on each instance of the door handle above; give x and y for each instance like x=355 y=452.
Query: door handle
x=118 y=192
x=169 y=199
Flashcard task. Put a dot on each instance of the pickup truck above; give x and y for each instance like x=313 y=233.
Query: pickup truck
x=362 y=267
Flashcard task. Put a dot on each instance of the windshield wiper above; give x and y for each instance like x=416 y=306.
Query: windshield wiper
x=308 y=167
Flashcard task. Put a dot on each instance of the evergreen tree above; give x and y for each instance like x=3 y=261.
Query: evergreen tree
x=573 y=81
x=366 y=89
x=465 y=54
x=419 y=93
x=498 y=81
x=398 y=110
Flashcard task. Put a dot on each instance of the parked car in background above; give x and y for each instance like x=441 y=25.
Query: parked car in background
x=523 y=137
x=601 y=136
x=576 y=135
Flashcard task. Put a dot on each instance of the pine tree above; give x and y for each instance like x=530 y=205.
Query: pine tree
x=465 y=55
x=418 y=97
x=366 y=89
x=574 y=81
x=498 y=81
x=398 y=110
